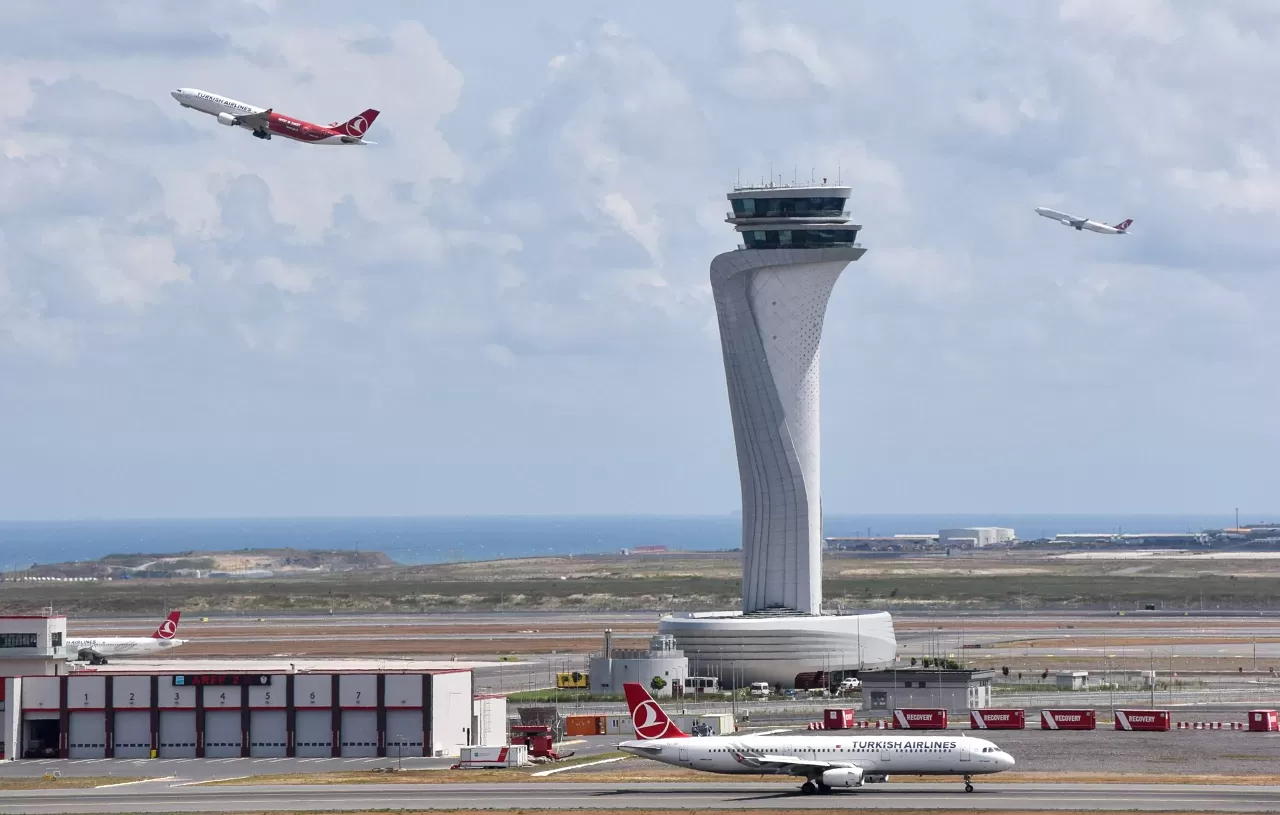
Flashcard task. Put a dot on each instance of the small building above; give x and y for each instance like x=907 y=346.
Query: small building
x=953 y=690
x=1071 y=680
x=661 y=661
x=976 y=536
x=33 y=645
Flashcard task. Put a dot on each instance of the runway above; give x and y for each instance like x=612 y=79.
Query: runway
x=158 y=796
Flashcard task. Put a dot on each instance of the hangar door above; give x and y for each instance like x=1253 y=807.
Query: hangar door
x=268 y=733
x=133 y=734
x=404 y=733
x=313 y=733
x=88 y=736
x=222 y=734
x=177 y=734
x=359 y=733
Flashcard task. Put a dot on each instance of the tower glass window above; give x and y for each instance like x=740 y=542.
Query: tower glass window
x=824 y=206
x=799 y=238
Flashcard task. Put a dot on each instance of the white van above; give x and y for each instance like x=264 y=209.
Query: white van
x=759 y=688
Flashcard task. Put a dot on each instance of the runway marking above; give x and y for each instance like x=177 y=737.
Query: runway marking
x=578 y=766
x=208 y=781
x=139 y=781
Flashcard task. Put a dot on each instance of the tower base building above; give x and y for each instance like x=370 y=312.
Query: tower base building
x=771 y=298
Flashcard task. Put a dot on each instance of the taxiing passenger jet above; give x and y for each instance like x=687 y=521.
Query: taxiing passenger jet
x=1121 y=228
x=849 y=759
x=96 y=650
x=265 y=122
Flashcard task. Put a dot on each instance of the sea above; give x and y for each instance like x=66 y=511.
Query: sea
x=428 y=540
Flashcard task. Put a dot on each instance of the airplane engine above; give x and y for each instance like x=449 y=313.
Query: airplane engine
x=226 y=119
x=843 y=777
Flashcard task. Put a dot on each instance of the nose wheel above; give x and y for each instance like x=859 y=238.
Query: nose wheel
x=968 y=784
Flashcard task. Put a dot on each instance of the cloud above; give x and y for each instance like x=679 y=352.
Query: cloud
x=518 y=271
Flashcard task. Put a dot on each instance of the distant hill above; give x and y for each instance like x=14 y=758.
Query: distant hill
x=194 y=564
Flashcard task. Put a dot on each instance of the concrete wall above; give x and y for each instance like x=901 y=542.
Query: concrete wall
x=608 y=675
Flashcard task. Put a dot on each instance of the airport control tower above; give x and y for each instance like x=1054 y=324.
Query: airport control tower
x=771 y=297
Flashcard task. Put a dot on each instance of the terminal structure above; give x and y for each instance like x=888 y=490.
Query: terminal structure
x=771 y=297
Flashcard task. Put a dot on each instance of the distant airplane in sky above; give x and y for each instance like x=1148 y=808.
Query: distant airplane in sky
x=264 y=122
x=1121 y=228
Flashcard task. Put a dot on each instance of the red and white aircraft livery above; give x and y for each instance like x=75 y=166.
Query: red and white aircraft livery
x=95 y=650
x=265 y=122
x=850 y=759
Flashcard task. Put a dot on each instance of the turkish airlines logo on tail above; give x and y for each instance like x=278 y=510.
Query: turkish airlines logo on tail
x=169 y=628
x=649 y=720
x=357 y=126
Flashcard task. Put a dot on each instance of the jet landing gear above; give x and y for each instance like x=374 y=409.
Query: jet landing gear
x=262 y=134
x=811 y=787
x=968 y=783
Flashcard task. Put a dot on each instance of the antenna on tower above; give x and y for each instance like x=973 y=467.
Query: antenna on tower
x=795 y=174
x=837 y=174
x=738 y=183
x=771 y=174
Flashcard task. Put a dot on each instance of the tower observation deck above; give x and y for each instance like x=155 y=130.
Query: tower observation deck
x=771 y=299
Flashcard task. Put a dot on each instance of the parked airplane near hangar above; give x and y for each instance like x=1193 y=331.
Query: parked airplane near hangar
x=264 y=122
x=825 y=762
x=95 y=650
x=1121 y=228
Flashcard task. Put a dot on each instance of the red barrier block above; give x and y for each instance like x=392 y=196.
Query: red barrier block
x=1157 y=720
x=916 y=718
x=1068 y=720
x=1264 y=721
x=994 y=719
x=838 y=719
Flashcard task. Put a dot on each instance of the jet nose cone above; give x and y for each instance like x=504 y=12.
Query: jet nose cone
x=176 y=95
x=1008 y=760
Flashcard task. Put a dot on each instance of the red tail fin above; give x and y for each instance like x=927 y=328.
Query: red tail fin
x=358 y=125
x=169 y=628
x=1123 y=225
x=649 y=720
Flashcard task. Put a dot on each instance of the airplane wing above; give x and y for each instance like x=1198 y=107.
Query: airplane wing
x=786 y=762
x=257 y=121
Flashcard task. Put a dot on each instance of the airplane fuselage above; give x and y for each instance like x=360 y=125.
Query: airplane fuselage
x=229 y=111
x=122 y=646
x=876 y=756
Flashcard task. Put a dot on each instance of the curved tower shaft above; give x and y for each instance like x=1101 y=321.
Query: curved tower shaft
x=771 y=296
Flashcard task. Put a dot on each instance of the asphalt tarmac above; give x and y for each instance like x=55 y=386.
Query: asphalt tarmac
x=159 y=796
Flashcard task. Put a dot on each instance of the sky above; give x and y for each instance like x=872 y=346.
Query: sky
x=504 y=308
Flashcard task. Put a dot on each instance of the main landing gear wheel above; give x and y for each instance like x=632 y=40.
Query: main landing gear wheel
x=968 y=784
x=808 y=788
x=262 y=134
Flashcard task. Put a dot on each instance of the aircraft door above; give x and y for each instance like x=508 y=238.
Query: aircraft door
x=684 y=754
x=964 y=750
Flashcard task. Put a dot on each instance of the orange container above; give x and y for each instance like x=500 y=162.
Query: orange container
x=583 y=725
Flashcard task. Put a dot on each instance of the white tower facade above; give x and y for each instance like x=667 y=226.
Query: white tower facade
x=771 y=297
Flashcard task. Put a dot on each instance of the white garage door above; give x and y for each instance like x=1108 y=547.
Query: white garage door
x=88 y=737
x=267 y=733
x=359 y=733
x=177 y=734
x=313 y=733
x=222 y=734
x=133 y=734
x=404 y=732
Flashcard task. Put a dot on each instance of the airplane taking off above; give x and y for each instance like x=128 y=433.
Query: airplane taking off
x=1121 y=228
x=264 y=122
x=825 y=762
x=96 y=651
